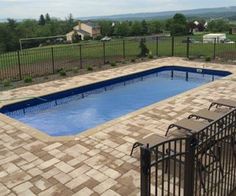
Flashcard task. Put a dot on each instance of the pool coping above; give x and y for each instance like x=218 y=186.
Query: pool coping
x=47 y=138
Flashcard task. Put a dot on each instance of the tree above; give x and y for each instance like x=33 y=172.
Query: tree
x=122 y=29
x=178 y=29
x=106 y=28
x=168 y=24
x=144 y=28
x=144 y=50
x=42 y=20
x=70 y=20
x=218 y=26
x=155 y=27
x=136 y=28
x=178 y=25
x=47 y=18
x=180 y=19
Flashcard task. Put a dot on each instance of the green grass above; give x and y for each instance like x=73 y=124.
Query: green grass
x=94 y=50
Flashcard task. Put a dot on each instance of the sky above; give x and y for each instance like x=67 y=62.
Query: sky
x=21 y=9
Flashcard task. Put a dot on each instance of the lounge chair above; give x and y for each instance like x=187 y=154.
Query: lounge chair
x=207 y=115
x=152 y=140
x=223 y=102
x=188 y=125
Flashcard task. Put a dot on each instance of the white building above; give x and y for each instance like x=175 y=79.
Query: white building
x=212 y=37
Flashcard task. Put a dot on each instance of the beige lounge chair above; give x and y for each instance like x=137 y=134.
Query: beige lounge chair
x=207 y=115
x=152 y=140
x=188 y=125
x=223 y=102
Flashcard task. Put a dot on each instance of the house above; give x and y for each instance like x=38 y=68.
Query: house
x=212 y=37
x=233 y=31
x=84 y=29
x=196 y=26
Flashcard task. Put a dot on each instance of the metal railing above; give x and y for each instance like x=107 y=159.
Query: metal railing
x=200 y=164
x=45 y=61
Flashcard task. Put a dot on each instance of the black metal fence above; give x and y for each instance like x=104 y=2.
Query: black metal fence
x=200 y=164
x=44 y=61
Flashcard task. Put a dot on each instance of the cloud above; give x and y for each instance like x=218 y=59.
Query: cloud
x=80 y=8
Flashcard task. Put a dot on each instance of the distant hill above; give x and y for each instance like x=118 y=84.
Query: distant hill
x=206 y=13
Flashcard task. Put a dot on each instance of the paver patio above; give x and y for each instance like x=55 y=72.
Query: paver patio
x=96 y=162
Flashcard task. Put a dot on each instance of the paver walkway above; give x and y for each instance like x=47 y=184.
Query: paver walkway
x=97 y=163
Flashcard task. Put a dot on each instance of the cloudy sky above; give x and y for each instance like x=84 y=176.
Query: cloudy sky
x=82 y=8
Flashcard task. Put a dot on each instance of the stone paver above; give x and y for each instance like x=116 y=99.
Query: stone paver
x=97 y=162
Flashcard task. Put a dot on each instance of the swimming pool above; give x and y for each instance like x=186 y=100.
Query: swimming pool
x=76 y=110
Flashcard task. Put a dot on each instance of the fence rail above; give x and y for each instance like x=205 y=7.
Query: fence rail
x=200 y=164
x=44 y=61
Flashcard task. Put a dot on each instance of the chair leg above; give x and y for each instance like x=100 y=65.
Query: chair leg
x=170 y=127
x=212 y=104
x=190 y=116
x=136 y=144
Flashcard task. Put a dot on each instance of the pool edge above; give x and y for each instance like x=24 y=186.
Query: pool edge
x=47 y=138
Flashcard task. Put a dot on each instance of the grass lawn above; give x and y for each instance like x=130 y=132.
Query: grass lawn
x=93 y=51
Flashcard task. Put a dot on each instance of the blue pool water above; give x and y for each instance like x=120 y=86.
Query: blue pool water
x=73 y=114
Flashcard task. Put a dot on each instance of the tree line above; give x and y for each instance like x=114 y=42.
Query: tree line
x=177 y=26
x=12 y=30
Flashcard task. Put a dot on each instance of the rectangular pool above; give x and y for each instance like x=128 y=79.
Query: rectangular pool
x=76 y=110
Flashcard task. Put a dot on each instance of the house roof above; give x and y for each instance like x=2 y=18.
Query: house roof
x=91 y=24
x=82 y=32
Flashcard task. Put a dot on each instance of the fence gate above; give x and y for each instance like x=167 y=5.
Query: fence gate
x=200 y=164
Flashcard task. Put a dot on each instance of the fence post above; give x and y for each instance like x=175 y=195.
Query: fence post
x=19 y=64
x=189 y=165
x=188 y=46
x=53 y=62
x=124 y=49
x=104 y=53
x=214 y=52
x=145 y=157
x=80 y=57
x=173 y=46
x=157 y=46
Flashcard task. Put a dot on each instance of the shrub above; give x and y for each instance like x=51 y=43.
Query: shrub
x=150 y=55
x=144 y=50
x=62 y=72
x=28 y=79
x=89 y=68
x=208 y=59
x=6 y=83
x=113 y=64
